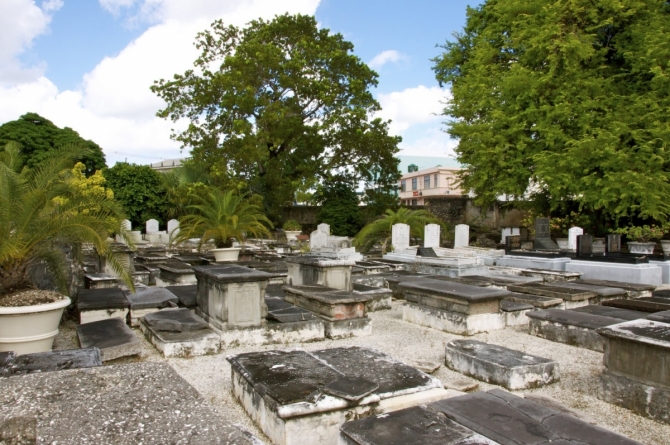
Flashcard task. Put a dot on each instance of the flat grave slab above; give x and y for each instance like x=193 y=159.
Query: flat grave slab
x=661 y=293
x=504 y=280
x=645 y=304
x=648 y=273
x=634 y=289
x=175 y=272
x=274 y=290
x=663 y=316
x=112 y=336
x=601 y=291
x=149 y=300
x=100 y=281
x=179 y=333
x=328 y=303
x=50 y=361
x=545 y=290
x=381 y=298
x=419 y=425
x=509 y=419
x=607 y=311
x=285 y=392
x=75 y=406
x=537 y=301
x=515 y=312
x=499 y=365
x=186 y=294
x=570 y=327
x=284 y=312
x=455 y=297
x=101 y=304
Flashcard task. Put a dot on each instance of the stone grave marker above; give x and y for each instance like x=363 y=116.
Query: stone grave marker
x=584 y=245
x=513 y=242
x=152 y=226
x=431 y=237
x=573 y=232
x=400 y=236
x=543 y=235
x=613 y=243
x=523 y=231
x=599 y=245
x=462 y=235
x=507 y=231
x=318 y=240
x=172 y=225
x=126 y=224
x=323 y=227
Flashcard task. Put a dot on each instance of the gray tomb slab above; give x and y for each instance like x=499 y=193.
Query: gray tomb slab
x=574 y=318
x=427 y=252
x=584 y=244
x=514 y=306
x=661 y=293
x=537 y=301
x=663 y=317
x=350 y=388
x=601 y=291
x=465 y=292
x=274 y=290
x=97 y=299
x=636 y=287
x=112 y=336
x=606 y=311
x=153 y=297
x=545 y=290
x=52 y=361
x=418 y=425
x=186 y=294
x=175 y=320
x=512 y=420
x=641 y=304
x=499 y=365
x=73 y=407
x=285 y=312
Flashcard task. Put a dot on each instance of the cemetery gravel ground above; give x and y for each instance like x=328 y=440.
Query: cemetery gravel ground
x=579 y=368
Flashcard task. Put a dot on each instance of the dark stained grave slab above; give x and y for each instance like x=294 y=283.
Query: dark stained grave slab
x=232 y=273
x=100 y=299
x=663 y=316
x=573 y=318
x=514 y=306
x=661 y=293
x=471 y=294
x=537 y=301
x=567 y=294
x=512 y=420
x=285 y=312
x=350 y=388
x=606 y=311
x=112 y=336
x=641 y=304
x=601 y=291
x=427 y=252
x=120 y=404
x=623 y=285
x=642 y=331
x=274 y=290
x=175 y=320
x=186 y=294
x=152 y=297
x=327 y=295
x=613 y=243
x=52 y=361
x=276 y=304
x=504 y=280
x=419 y=425
x=6 y=357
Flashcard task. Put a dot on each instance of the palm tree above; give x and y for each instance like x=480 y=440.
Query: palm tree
x=380 y=230
x=41 y=210
x=222 y=216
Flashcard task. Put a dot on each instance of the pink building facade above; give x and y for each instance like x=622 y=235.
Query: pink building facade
x=416 y=187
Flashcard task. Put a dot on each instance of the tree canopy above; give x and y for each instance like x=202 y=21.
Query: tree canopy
x=38 y=137
x=277 y=106
x=567 y=99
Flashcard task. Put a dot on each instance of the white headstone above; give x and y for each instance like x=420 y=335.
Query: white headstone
x=318 y=240
x=172 y=224
x=572 y=237
x=462 y=236
x=323 y=227
x=152 y=226
x=431 y=235
x=126 y=224
x=400 y=236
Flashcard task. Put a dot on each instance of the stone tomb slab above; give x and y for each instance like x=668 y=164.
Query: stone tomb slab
x=570 y=327
x=663 y=317
x=502 y=366
x=186 y=294
x=315 y=270
x=179 y=333
x=381 y=298
x=418 y=425
x=51 y=361
x=606 y=311
x=149 y=300
x=569 y=295
x=175 y=272
x=102 y=304
x=113 y=337
x=635 y=290
x=600 y=291
x=645 y=304
x=100 y=281
x=284 y=392
x=120 y=404
x=509 y=419
x=535 y=300
x=284 y=312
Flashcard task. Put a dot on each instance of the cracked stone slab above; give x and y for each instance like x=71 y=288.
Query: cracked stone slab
x=663 y=317
x=231 y=273
x=152 y=297
x=564 y=293
x=601 y=291
x=101 y=299
x=350 y=388
x=613 y=312
x=121 y=404
x=51 y=361
x=463 y=385
x=186 y=294
x=112 y=336
x=573 y=318
x=515 y=306
x=175 y=320
x=641 y=304
x=537 y=301
x=512 y=420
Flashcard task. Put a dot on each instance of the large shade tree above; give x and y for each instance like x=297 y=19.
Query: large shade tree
x=277 y=106
x=566 y=99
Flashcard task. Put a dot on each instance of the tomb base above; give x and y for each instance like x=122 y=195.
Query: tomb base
x=632 y=273
x=182 y=344
x=527 y=262
x=452 y=322
x=645 y=400
x=353 y=327
x=271 y=333
x=564 y=333
x=102 y=314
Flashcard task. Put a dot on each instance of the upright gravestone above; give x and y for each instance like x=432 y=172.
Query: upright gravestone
x=152 y=226
x=126 y=225
x=172 y=225
x=462 y=235
x=323 y=227
x=400 y=236
x=613 y=243
x=543 y=235
x=318 y=240
x=584 y=245
x=431 y=235
x=573 y=232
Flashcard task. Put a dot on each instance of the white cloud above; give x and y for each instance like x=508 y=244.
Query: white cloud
x=385 y=57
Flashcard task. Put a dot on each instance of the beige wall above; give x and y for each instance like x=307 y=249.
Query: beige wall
x=447 y=185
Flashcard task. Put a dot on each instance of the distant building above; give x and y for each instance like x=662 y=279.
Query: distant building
x=167 y=165
x=416 y=186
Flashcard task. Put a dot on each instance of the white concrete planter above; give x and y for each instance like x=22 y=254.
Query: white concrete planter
x=226 y=254
x=642 y=248
x=28 y=329
x=292 y=235
x=563 y=243
x=665 y=244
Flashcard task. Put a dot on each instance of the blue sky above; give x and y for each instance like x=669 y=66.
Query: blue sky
x=88 y=64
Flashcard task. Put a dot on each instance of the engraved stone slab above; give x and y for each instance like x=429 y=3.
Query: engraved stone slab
x=461 y=235
x=431 y=236
x=400 y=236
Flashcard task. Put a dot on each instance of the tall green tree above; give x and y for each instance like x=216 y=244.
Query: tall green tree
x=339 y=205
x=38 y=137
x=140 y=190
x=567 y=99
x=277 y=106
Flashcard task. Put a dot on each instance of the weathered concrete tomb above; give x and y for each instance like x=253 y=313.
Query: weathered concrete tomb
x=313 y=270
x=295 y=395
x=499 y=365
x=179 y=333
x=102 y=304
x=112 y=336
x=146 y=301
x=175 y=272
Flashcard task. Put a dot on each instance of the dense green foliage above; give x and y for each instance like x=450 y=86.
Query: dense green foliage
x=220 y=217
x=38 y=137
x=182 y=184
x=140 y=190
x=275 y=107
x=42 y=208
x=339 y=206
x=567 y=99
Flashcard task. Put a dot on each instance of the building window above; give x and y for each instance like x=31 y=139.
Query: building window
x=403 y=185
x=414 y=202
x=435 y=183
x=414 y=183
x=426 y=182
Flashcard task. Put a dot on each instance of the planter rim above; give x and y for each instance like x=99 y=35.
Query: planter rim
x=219 y=249
x=641 y=242
x=36 y=308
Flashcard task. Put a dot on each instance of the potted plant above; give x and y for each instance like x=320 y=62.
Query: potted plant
x=643 y=236
x=292 y=228
x=41 y=210
x=222 y=217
